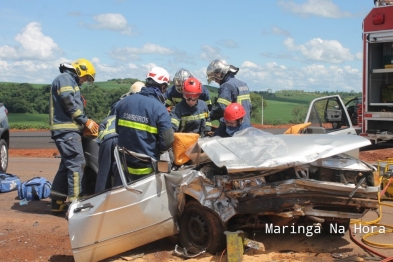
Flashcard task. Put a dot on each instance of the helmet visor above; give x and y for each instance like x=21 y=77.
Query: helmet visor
x=178 y=84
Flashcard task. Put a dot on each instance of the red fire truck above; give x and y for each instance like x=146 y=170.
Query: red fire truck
x=375 y=115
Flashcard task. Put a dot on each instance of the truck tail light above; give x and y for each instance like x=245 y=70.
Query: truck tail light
x=378 y=19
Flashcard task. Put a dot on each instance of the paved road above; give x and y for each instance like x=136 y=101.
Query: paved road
x=42 y=139
x=28 y=140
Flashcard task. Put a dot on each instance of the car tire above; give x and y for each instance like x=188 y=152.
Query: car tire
x=3 y=156
x=201 y=229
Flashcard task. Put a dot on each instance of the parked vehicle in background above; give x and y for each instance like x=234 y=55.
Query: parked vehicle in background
x=4 y=138
x=376 y=119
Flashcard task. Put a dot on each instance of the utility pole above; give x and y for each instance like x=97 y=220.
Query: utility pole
x=262 y=110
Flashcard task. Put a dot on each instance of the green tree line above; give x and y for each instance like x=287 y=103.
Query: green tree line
x=24 y=98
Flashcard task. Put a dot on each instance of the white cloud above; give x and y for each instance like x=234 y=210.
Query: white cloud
x=33 y=44
x=274 y=30
x=131 y=53
x=309 y=78
x=324 y=8
x=330 y=51
x=228 y=43
x=113 y=22
x=209 y=53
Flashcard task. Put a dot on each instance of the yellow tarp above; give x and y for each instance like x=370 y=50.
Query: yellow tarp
x=297 y=129
x=181 y=143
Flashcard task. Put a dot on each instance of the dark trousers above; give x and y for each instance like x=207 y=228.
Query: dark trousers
x=106 y=161
x=67 y=181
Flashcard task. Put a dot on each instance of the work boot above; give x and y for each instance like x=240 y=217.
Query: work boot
x=59 y=206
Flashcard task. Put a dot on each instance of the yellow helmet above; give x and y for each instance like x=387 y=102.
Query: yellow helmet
x=84 y=67
x=136 y=87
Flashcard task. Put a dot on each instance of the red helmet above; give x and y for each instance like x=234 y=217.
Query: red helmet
x=192 y=87
x=234 y=111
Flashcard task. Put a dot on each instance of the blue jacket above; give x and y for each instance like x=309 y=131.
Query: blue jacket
x=172 y=97
x=107 y=129
x=188 y=119
x=66 y=112
x=221 y=130
x=143 y=124
x=232 y=90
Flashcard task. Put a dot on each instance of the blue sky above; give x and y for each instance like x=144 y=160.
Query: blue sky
x=310 y=45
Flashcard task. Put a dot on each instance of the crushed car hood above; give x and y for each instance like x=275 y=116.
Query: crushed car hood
x=253 y=149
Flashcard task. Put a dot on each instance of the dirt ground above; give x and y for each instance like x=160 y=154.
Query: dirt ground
x=31 y=233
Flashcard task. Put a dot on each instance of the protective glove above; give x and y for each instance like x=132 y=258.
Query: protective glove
x=92 y=126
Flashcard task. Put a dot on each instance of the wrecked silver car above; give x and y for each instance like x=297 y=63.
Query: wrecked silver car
x=252 y=180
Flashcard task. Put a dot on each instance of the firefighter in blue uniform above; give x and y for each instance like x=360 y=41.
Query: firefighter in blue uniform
x=191 y=115
x=231 y=89
x=174 y=94
x=143 y=123
x=232 y=121
x=107 y=141
x=67 y=123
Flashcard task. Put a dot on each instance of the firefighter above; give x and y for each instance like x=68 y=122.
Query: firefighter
x=143 y=124
x=174 y=94
x=67 y=122
x=232 y=121
x=231 y=89
x=191 y=115
x=107 y=140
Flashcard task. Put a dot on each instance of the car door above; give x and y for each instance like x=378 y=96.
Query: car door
x=121 y=219
x=330 y=113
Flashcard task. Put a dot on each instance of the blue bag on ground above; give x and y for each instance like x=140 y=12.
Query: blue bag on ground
x=8 y=182
x=34 y=189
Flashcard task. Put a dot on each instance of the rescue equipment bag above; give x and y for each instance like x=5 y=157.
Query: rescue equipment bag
x=34 y=189
x=8 y=182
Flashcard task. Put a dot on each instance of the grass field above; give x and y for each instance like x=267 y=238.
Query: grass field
x=26 y=121
x=279 y=112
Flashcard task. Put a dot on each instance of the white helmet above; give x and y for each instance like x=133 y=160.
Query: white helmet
x=217 y=70
x=179 y=78
x=159 y=75
x=136 y=87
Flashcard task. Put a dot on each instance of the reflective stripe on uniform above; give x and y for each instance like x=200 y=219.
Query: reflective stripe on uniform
x=76 y=185
x=138 y=126
x=177 y=99
x=65 y=126
x=223 y=101
x=208 y=102
x=168 y=102
x=175 y=122
x=208 y=124
x=67 y=89
x=193 y=117
x=105 y=132
x=140 y=171
x=76 y=113
x=243 y=97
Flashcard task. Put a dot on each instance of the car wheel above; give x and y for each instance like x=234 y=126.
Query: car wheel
x=201 y=229
x=3 y=156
